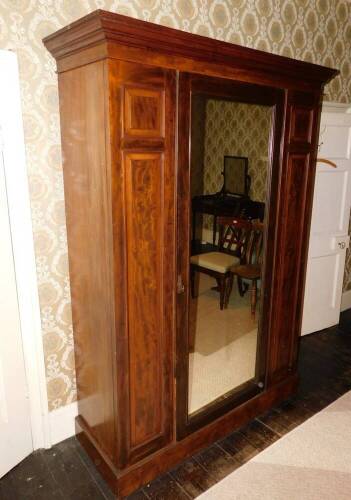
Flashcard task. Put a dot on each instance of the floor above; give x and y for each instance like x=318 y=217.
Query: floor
x=223 y=340
x=65 y=472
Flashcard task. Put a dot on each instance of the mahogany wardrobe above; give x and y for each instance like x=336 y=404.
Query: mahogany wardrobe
x=126 y=91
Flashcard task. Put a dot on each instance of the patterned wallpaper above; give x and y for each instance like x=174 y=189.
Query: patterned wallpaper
x=233 y=129
x=312 y=30
x=236 y=129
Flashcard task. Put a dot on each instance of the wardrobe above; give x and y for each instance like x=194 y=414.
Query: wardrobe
x=126 y=89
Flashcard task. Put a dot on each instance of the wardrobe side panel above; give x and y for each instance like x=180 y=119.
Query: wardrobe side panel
x=83 y=106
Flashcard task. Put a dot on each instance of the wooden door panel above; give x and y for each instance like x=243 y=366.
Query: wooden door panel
x=144 y=112
x=323 y=302
x=144 y=180
x=330 y=209
x=335 y=142
x=291 y=231
x=144 y=187
x=301 y=124
x=295 y=207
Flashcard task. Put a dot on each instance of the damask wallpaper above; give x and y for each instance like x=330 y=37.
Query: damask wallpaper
x=227 y=128
x=312 y=30
x=236 y=129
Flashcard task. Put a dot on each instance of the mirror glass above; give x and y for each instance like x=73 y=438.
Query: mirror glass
x=229 y=171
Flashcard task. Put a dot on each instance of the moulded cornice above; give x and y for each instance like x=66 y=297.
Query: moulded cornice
x=101 y=27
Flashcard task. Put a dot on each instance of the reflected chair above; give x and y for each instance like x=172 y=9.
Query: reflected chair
x=250 y=266
x=218 y=264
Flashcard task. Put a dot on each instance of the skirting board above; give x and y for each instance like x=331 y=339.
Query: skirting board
x=62 y=423
x=346 y=300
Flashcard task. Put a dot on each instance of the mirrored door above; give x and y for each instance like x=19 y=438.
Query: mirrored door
x=222 y=232
x=228 y=193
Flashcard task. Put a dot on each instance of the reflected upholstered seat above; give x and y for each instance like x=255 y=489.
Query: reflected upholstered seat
x=232 y=233
x=216 y=261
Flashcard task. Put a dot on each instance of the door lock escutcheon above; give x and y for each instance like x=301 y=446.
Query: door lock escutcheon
x=342 y=245
x=180 y=285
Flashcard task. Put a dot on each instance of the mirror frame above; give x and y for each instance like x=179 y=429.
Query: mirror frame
x=212 y=87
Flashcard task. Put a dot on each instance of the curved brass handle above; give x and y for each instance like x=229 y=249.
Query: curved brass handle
x=328 y=162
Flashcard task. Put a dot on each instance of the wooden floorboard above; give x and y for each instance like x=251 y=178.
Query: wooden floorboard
x=193 y=477
x=66 y=472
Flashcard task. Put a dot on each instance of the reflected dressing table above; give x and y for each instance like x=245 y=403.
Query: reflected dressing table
x=231 y=201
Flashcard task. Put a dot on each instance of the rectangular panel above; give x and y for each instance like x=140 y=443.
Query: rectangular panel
x=335 y=142
x=322 y=295
x=321 y=244
x=144 y=188
x=290 y=254
x=329 y=202
x=143 y=112
x=301 y=124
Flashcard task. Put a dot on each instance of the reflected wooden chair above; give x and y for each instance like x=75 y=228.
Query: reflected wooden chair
x=250 y=267
x=218 y=264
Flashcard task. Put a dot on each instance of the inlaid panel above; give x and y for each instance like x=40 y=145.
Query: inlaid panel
x=291 y=253
x=143 y=112
x=301 y=124
x=144 y=187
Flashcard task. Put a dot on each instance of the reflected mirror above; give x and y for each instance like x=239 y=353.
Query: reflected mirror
x=235 y=175
x=229 y=167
